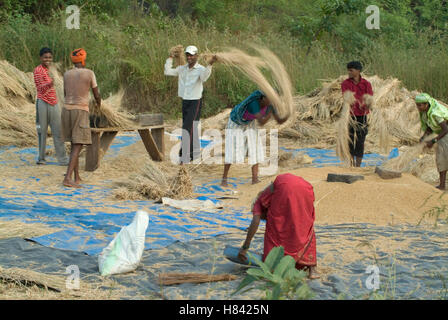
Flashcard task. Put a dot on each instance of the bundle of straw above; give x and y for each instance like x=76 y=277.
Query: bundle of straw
x=342 y=127
x=403 y=161
x=154 y=182
x=111 y=110
x=251 y=66
x=178 y=53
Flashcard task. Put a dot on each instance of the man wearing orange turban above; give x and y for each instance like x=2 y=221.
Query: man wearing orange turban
x=79 y=56
x=75 y=114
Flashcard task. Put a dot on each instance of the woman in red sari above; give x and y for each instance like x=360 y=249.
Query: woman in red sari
x=287 y=206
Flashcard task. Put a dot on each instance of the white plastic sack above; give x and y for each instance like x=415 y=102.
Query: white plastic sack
x=124 y=253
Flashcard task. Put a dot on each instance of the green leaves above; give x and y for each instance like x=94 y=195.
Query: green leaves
x=279 y=277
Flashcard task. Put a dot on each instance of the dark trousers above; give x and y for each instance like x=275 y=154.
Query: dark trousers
x=358 y=133
x=190 y=147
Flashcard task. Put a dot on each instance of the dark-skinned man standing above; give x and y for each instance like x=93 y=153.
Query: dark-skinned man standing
x=75 y=114
x=190 y=87
x=359 y=110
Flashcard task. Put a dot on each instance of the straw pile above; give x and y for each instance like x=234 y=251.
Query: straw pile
x=251 y=66
x=17 y=109
x=394 y=119
x=156 y=180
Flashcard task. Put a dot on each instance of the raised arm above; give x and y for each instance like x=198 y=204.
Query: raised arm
x=169 y=70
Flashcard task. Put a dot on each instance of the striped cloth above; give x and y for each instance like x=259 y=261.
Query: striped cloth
x=45 y=89
x=242 y=140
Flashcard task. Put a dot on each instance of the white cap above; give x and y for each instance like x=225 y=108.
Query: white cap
x=191 y=50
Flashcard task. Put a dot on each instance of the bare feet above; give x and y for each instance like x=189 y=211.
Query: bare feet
x=255 y=181
x=441 y=188
x=224 y=183
x=70 y=184
x=79 y=181
x=312 y=273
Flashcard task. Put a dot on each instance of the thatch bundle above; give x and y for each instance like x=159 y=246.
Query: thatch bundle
x=178 y=53
x=252 y=66
x=112 y=112
x=156 y=180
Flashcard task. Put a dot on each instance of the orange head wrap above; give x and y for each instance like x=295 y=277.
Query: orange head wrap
x=79 y=55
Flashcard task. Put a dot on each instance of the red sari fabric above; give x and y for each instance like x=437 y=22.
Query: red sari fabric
x=289 y=209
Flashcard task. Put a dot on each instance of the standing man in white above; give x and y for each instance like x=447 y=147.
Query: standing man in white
x=191 y=78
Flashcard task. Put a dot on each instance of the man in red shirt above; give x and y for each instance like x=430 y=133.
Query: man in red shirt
x=48 y=111
x=359 y=109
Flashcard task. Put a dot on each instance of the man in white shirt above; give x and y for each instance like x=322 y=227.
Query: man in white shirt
x=191 y=78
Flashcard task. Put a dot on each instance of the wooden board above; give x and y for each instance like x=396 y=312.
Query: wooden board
x=149 y=119
x=125 y=129
x=150 y=145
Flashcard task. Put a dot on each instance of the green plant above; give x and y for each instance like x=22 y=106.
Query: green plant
x=438 y=213
x=281 y=280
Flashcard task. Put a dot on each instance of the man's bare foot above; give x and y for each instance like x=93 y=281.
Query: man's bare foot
x=255 y=181
x=312 y=273
x=441 y=188
x=79 y=181
x=70 y=184
x=224 y=183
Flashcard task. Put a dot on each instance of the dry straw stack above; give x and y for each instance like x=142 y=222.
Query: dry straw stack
x=17 y=109
x=156 y=180
x=393 y=120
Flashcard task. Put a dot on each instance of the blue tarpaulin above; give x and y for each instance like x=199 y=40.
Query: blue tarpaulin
x=89 y=220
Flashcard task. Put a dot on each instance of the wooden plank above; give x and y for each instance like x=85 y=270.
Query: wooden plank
x=93 y=152
x=110 y=129
x=178 y=278
x=149 y=119
x=158 y=135
x=105 y=141
x=150 y=145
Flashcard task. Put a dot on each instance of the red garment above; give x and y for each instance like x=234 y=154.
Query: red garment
x=360 y=89
x=45 y=89
x=290 y=215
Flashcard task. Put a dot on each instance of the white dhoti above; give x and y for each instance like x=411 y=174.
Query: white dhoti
x=242 y=140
